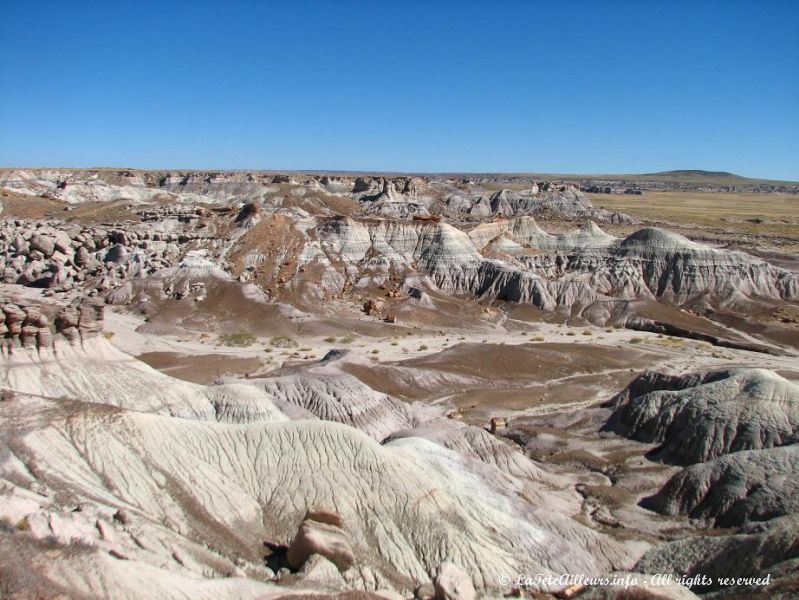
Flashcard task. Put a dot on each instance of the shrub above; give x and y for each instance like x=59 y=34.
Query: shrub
x=281 y=341
x=423 y=347
x=240 y=339
x=330 y=340
x=636 y=340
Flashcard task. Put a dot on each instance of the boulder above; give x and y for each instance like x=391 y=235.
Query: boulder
x=319 y=572
x=321 y=532
x=116 y=254
x=374 y=307
x=14 y=318
x=43 y=243
x=66 y=323
x=452 y=583
x=425 y=591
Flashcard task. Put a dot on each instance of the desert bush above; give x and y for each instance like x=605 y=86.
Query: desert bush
x=282 y=341
x=239 y=339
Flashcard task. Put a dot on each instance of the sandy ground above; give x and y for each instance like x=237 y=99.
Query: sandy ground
x=672 y=353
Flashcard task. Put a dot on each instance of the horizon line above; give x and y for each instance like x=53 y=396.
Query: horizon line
x=400 y=173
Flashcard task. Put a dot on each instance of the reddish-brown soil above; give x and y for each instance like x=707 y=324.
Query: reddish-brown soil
x=200 y=368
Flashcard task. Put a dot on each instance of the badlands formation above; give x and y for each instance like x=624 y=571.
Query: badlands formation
x=264 y=385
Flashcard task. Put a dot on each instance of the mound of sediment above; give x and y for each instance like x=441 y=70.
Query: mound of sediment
x=182 y=481
x=701 y=416
x=207 y=492
x=475 y=443
x=753 y=485
x=757 y=550
x=332 y=395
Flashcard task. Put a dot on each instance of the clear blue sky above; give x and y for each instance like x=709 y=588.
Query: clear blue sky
x=632 y=86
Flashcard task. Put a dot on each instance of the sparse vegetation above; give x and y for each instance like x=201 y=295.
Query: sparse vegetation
x=330 y=340
x=671 y=342
x=282 y=341
x=109 y=335
x=240 y=339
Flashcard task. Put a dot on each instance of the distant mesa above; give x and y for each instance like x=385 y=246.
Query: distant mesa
x=696 y=173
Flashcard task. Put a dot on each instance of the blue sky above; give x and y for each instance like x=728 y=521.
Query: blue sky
x=593 y=87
